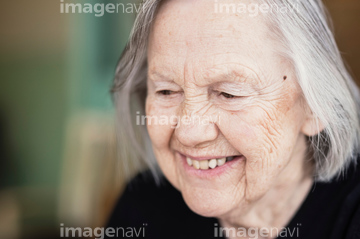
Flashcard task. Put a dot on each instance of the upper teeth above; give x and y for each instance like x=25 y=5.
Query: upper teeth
x=206 y=164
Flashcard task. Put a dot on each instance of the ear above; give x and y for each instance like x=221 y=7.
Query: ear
x=311 y=126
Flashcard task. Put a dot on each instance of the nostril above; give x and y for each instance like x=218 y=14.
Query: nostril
x=195 y=134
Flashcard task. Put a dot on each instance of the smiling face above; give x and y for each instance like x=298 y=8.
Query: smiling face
x=223 y=69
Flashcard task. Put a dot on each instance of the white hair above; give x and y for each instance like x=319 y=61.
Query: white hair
x=309 y=44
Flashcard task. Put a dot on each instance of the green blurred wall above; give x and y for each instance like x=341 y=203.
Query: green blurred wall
x=33 y=110
x=52 y=66
x=43 y=83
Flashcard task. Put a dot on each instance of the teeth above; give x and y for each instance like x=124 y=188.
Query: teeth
x=196 y=164
x=221 y=161
x=212 y=163
x=189 y=161
x=206 y=164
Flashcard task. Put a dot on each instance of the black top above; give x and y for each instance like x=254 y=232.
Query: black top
x=330 y=211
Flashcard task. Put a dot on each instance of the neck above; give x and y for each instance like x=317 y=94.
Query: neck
x=277 y=207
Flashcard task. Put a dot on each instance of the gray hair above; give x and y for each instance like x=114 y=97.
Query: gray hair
x=309 y=44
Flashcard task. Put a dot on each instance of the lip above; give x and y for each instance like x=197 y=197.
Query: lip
x=210 y=173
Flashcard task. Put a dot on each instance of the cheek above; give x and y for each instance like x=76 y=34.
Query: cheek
x=265 y=134
x=160 y=129
x=266 y=144
x=272 y=126
x=160 y=123
x=269 y=129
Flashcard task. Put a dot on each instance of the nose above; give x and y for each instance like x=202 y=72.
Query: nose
x=196 y=131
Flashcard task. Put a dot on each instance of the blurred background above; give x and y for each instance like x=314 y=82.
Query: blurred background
x=57 y=142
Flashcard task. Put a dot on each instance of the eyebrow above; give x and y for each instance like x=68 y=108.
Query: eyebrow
x=157 y=76
x=238 y=72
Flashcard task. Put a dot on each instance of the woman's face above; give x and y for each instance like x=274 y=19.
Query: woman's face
x=218 y=89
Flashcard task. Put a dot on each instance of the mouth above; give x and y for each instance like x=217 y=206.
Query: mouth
x=210 y=164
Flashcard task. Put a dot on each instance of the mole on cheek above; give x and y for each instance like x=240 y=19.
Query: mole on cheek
x=285 y=77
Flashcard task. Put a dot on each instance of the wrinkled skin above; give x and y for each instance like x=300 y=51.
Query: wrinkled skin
x=197 y=56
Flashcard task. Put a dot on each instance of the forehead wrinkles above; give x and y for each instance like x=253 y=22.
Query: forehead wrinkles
x=186 y=39
x=187 y=23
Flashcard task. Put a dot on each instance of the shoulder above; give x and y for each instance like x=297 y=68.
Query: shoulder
x=143 y=200
x=348 y=222
x=345 y=201
x=332 y=209
x=159 y=209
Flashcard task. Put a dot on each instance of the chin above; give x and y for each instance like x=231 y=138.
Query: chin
x=209 y=193
x=209 y=203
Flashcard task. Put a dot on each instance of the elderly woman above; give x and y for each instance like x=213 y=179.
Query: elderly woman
x=251 y=123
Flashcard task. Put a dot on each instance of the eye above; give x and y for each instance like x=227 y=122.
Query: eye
x=164 y=92
x=227 y=96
